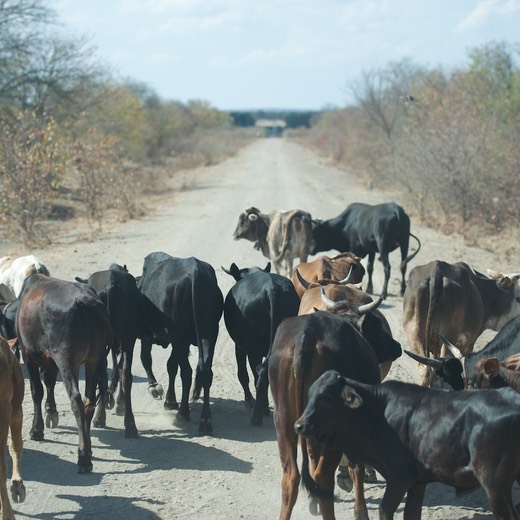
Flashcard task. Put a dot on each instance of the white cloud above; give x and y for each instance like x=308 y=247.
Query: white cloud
x=485 y=10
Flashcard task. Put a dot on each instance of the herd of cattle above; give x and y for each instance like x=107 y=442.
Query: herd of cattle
x=314 y=337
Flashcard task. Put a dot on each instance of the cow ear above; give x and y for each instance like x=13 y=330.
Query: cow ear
x=350 y=397
x=491 y=368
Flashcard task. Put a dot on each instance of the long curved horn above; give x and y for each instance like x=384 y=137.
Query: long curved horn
x=452 y=348
x=367 y=307
x=331 y=305
x=434 y=363
x=347 y=278
x=301 y=279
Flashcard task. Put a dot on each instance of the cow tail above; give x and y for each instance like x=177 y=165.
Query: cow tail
x=431 y=331
x=199 y=372
x=308 y=482
x=285 y=239
x=412 y=256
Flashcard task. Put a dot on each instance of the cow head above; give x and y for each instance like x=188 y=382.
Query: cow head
x=250 y=225
x=487 y=374
x=238 y=273
x=448 y=371
x=329 y=398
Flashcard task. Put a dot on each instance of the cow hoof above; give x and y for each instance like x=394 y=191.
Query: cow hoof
x=171 y=405
x=250 y=404
x=17 y=491
x=36 y=435
x=156 y=391
x=120 y=410
x=110 y=401
x=96 y=423
x=85 y=469
x=314 y=506
x=52 y=419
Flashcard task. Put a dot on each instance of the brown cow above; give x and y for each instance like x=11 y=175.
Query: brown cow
x=11 y=418
x=304 y=347
x=347 y=298
x=325 y=269
x=457 y=302
x=493 y=373
x=280 y=235
x=60 y=326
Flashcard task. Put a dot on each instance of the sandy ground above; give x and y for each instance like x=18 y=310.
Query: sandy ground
x=171 y=472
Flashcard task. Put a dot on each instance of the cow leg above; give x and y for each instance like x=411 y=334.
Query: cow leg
x=324 y=477
x=154 y=388
x=204 y=380
x=414 y=502
x=386 y=266
x=7 y=511
x=370 y=270
x=51 y=413
x=100 y=415
x=243 y=376
x=287 y=448
x=172 y=366
x=126 y=388
x=36 y=432
x=70 y=381
x=16 y=440
x=357 y=474
x=497 y=486
x=394 y=493
x=261 y=408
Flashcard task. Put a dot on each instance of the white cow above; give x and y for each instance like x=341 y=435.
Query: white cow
x=14 y=272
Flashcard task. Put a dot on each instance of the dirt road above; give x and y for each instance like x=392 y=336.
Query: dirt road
x=170 y=472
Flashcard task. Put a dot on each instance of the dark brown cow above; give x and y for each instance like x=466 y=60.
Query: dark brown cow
x=11 y=418
x=60 y=326
x=326 y=269
x=304 y=347
x=414 y=435
x=457 y=302
x=282 y=236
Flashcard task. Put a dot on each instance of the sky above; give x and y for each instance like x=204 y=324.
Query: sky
x=279 y=54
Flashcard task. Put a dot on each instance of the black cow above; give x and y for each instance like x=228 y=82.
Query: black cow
x=60 y=326
x=304 y=347
x=127 y=310
x=415 y=435
x=453 y=371
x=253 y=309
x=185 y=290
x=366 y=230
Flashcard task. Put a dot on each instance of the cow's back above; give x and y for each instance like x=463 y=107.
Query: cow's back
x=185 y=290
x=256 y=305
x=441 y=300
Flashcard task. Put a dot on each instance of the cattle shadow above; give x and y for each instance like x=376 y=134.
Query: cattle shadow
x=160 y=450
x=96 y=507
x=48 y=468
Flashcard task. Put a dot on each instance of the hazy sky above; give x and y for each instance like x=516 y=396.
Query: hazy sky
x=297 y=54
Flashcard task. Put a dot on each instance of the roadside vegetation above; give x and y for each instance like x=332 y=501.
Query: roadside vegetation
x=448 y=140
x=75 y=142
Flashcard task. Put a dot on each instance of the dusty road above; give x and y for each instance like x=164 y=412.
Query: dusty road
x=170 y=472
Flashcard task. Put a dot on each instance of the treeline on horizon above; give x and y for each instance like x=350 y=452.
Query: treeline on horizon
x=446 y=139
x=77 y=141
